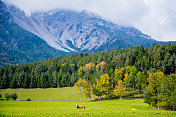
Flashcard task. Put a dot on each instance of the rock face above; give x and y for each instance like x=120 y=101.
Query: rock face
x=71 y=31
x=18 y=45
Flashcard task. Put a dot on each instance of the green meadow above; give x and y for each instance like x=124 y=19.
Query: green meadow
x=107 y=108
x=67 y=93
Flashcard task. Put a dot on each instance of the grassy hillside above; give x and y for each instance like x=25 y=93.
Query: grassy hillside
x=67 y=93
x=109 y=108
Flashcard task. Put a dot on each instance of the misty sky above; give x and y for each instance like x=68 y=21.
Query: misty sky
x=153 y=17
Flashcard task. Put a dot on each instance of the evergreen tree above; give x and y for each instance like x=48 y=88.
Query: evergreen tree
x=26 y=81
x=139 y=80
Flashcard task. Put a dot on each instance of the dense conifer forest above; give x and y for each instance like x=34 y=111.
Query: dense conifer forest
x=63 y=71
x=115 y=73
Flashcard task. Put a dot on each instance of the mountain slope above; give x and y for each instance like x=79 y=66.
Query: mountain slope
x=18 y=45
x=60 y=32
x=71 y=31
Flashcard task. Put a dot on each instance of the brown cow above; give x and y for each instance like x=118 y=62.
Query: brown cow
x=80 y=106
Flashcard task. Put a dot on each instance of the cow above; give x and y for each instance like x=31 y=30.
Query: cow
x=80 y=106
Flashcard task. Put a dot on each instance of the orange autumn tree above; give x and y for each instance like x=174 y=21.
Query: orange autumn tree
x=89 y=67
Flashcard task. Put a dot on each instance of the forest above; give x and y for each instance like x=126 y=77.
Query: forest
x=116 y=73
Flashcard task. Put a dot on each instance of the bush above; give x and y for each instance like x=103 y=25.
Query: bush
x=28 y=99
x=7 y=96
x=0 y=96
x=14 y=96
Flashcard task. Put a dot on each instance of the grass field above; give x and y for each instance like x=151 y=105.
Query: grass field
x=107 y=108
x=67 y=93
x=111 y=108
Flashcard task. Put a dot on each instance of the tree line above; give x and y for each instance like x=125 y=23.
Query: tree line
x=63 y=71
x=128 y=67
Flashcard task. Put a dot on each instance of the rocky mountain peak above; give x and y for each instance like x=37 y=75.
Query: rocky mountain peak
x=73 y=31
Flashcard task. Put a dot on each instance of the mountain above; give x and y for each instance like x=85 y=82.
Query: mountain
x=72 y=31
x=18 y=45
x=59 y=32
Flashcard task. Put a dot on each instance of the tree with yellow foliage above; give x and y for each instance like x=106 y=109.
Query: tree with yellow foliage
x=119 y=74
x=125 y=76
x=87 y=89
x=80 y=71
x=97 y=89
x=79 y=85
x=127 y=69
x=97 y=67
x=103 y=86
x=84 y=88
x=104 y=80
x=120 y=89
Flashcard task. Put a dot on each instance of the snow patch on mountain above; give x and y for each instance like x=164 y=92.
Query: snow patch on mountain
x=71 y=31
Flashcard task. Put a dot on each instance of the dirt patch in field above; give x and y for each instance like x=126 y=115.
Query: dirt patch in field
x=56 y=100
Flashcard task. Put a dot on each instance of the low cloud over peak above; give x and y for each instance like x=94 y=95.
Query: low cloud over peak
x=154 y=17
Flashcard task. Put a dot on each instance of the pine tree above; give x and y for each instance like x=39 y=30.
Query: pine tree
x=4 y=82
x=26 y=81
x=139 y=80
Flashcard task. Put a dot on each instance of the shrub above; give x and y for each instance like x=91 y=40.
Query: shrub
x=7 y=96
x=14 y=96
x=28 y=99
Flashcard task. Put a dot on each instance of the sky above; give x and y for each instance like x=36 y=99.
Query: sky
x=156 y=18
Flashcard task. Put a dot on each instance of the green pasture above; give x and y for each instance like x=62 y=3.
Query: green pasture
x=67 y=93
x=103 y=108
x=109 y=108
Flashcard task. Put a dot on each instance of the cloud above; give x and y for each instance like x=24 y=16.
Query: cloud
x=159 y=22
x=153 y=17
